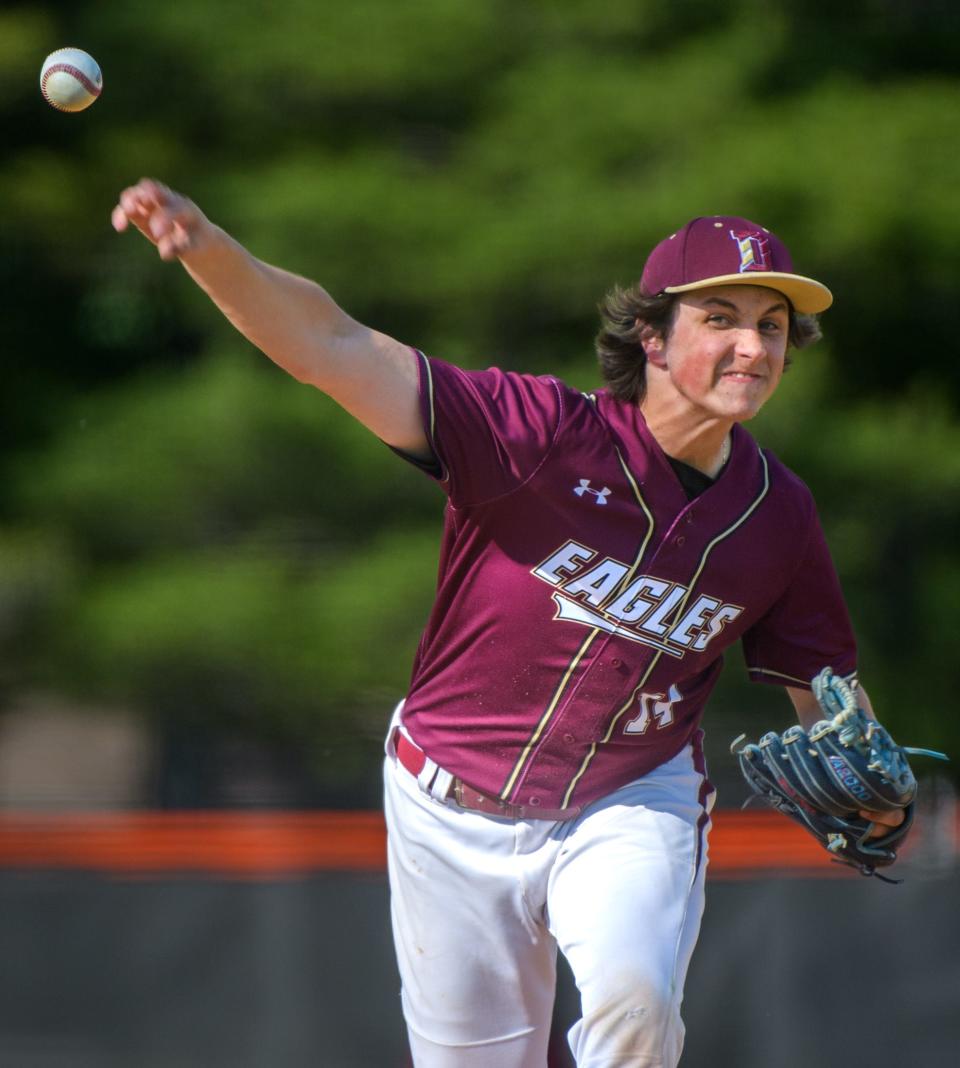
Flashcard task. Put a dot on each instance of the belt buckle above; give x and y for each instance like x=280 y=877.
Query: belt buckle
x=482 y=802
x=459 y=786
x=474 y=801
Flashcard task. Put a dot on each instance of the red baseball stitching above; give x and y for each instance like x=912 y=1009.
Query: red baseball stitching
x=67 y=68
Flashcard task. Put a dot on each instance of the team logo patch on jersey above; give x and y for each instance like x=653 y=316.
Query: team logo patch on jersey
x=600 y=495
x=754 y=250
x=598 y=591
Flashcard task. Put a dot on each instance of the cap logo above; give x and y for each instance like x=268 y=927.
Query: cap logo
x=754 y=250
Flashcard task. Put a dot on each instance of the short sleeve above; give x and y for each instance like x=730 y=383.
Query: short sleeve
x=489 y=430
x=808 y=628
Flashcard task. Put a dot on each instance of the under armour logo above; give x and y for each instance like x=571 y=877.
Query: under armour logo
x=585 y=487
x=754 y=250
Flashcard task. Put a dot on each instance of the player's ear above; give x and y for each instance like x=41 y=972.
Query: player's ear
x=653 y=344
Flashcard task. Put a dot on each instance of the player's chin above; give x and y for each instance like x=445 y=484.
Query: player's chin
x=741 y=411
x=741 y=399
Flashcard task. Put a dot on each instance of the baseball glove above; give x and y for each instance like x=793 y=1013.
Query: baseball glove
x=823 y=779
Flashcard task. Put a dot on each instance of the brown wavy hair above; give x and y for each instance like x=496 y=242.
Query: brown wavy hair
x=625 y=313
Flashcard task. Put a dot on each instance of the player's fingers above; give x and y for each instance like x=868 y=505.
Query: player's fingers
x=167 y=247
x=883 y=821
x=164 y=217
x=171 y=221
x=174 y=232
x=119 y=219
x=147 y=191
x=173 y=239
x=176 y=241
x=132 y=207
x=184 y=235
x=145 y=196
x=159 y=224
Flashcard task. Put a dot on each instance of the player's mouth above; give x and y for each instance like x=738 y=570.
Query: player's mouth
x=741 y=376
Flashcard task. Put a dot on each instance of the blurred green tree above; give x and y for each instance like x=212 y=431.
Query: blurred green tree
x=187 y=530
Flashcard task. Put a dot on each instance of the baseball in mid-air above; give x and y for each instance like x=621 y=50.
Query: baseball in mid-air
x=70 y=79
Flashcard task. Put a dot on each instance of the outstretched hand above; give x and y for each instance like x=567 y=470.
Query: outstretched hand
x=170 y=221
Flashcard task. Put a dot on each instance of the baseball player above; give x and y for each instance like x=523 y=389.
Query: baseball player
x=544 y=780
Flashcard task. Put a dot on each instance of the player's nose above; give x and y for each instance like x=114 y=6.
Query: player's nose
x=750 y=344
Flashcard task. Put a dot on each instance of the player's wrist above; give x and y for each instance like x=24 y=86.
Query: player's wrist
x=208 y=246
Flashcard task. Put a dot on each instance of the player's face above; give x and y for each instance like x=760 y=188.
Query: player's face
x=726 y=350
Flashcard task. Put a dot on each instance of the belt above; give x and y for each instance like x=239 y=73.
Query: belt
x=413 y=758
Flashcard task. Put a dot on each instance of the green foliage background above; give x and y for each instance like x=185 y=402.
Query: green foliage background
x=189 y=533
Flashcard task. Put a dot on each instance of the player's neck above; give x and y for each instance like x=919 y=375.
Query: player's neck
x=701 y=443
x=710 y=459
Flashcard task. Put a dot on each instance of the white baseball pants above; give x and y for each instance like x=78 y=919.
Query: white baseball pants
x=479 y=905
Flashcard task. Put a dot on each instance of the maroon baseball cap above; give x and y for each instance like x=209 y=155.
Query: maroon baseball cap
x=724 y=250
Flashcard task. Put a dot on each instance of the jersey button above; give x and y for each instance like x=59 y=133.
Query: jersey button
x=534 y=801
x=616 y=661
x=569 y=739
x=680 y=540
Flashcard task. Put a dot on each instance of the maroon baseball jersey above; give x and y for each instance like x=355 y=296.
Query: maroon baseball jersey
x=584 y=603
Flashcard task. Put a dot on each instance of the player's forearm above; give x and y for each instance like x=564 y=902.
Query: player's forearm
x=301 y=328
x=291 y=319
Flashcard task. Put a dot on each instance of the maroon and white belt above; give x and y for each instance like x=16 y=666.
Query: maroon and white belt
x=411 y=757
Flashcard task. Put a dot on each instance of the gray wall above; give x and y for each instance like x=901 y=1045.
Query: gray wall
x=98 y=972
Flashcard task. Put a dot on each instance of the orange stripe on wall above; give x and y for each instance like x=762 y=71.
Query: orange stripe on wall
x=742 y=843
x=268 y=844
x=260 y=844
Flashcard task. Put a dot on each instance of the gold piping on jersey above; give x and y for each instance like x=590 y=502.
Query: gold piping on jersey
x=778 y=675
x=850 y=679
x=726 y=533
x=591 y=752
x=428 y=370
x=555 y=700
x=628 y=578
x=545 y=718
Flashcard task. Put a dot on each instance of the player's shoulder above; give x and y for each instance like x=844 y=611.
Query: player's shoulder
x=496 y=387
x=787 y=488
x=494 y=378
x=603 y=406
x=784 y=476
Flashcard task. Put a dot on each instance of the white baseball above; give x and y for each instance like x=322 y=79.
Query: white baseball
x=70 y=79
